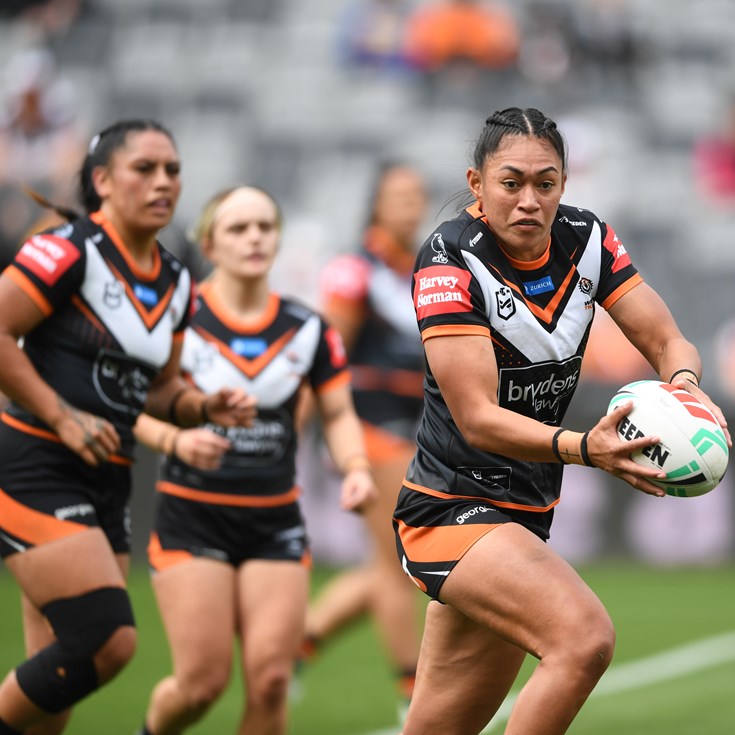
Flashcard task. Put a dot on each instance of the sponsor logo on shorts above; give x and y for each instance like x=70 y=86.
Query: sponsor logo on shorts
x=477 y=510
x=74 y=511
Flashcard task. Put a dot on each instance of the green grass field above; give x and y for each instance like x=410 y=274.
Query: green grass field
x=348 y=690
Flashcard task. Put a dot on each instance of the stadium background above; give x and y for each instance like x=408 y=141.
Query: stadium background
x=263 y=91
x=259 y=91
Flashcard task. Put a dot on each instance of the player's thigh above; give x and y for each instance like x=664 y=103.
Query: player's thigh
x=515 y=585
x=66 y=567
x=196 y=599
x=464 y=663
x=272 y=599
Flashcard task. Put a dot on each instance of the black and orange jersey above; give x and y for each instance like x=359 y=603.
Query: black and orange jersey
x=270 y=360
x=386 y=361
x=109 y=324
x=538 y=316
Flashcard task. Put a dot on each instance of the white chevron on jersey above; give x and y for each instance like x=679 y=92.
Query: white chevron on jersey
x=388 y=292
x=523 y=329
x=103 y=291
x=275 y=383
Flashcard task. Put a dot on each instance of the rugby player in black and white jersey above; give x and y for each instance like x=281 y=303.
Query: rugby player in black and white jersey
x=505 y=295
x=367 y=297
x=100 y=308
x=229 y=548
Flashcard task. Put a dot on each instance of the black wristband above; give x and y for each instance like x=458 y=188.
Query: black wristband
x=685 y=370
x=583 y=450
x=555 y=444
x=172 y=406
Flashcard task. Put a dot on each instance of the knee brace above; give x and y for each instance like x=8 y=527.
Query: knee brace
x=64 y=672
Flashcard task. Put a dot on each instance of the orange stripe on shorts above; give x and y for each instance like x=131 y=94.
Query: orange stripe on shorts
x=161 y=558
x=31 y=525
x=441 y=543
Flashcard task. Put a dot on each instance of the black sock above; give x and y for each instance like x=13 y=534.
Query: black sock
x=5 y=729
x=144 y=731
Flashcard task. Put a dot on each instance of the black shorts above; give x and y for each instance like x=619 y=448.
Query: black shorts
x=185 y=528
x=47 y=492
x=433 y=533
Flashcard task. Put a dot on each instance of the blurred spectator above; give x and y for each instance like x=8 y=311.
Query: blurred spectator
x=545 y=54
x=714 y=161
x=465 y=51
x=485 y=35
x=609 y=51
x=48 y=17
x=370 y=34
x=41 y=141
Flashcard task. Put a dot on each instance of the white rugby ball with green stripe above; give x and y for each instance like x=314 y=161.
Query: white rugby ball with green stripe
x=693 y=450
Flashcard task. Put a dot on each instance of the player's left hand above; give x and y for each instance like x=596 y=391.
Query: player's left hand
x=700 y=395
x=230 y=407
x=358 y=490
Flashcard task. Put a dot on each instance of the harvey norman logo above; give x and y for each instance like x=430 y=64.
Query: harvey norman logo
x=440 y=290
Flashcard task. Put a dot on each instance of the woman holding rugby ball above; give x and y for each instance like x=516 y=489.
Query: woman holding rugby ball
x=505 y=295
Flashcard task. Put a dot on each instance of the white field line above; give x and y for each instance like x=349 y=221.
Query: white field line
x=670 y=664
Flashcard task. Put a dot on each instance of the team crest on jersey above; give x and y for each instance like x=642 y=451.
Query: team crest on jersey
x=437 y=245
x=505 y=303
x=585 y=286
x=113 y=294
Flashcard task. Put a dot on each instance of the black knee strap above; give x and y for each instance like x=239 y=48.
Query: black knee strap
x=64 y=672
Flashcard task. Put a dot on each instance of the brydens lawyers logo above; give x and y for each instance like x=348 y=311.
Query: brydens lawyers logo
x=47 y=257
x=441 y=290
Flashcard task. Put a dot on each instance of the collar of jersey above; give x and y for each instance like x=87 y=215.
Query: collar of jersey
x=222 y=313
x=147 y=275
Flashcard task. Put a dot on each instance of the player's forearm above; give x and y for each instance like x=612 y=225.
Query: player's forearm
x=159 y=436
x=345 y=441
x=20 y=382
x=678 y=354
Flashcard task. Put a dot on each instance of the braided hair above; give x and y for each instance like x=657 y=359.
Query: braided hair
x=517 y=122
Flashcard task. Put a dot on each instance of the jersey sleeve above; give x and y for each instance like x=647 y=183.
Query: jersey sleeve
x=343 y=285
x=186 y=314
x=617 y=272
x=447 y=298
x=49 y=269
x=330 y=361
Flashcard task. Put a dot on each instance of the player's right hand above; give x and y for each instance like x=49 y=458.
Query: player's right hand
x=608 y=452
x=93 y=438
x=201 y=448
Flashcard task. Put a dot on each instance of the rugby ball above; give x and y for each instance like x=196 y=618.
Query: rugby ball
x=693 y=449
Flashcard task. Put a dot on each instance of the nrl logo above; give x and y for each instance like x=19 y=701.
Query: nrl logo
x=505 y=302
x=437 y=245
x=113 y=294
